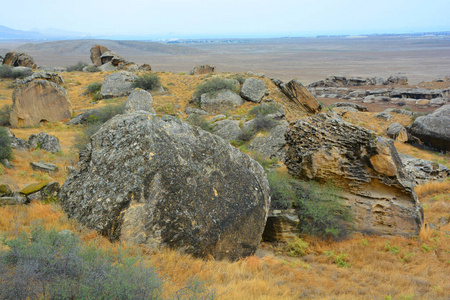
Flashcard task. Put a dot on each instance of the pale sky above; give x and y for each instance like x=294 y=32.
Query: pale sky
x=228 y=18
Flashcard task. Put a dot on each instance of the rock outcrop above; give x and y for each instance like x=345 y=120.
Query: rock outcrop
x=18 y=59
x=160 y=182
x=220 y=101
x=202 y=69
x=434 y=129
x=297 y=93
x=423 y=171
x=50 y=76
x=397 y=132
x=253 y=90
x=271 y=144
x=382 y=198
x=139 y=99
x=96 y=54
x=118 y=84
x=39 y=101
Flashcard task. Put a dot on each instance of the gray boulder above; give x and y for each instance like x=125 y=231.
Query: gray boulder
x=82 y=118
x=44 y=167
x=272 y=144
x=161 y=182
x=227 y=129
x=402 y=80
x=423 y=171
x=191 y=110
x=253 y=90
x=108 y=67
x=220 y=101
x=399 y=111
x=397 y=132
x=352 y=105
x=434 y=129
x=44 y=75
x=384 y=115
x=45 y=142
x=139 y=99
x=19 y=144
x=118 y=84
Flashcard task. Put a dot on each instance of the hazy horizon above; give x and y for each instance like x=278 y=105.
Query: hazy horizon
x=166 y=19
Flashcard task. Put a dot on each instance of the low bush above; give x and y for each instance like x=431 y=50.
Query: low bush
x=264 y=161
x=5 y=112
x=200 y=121
x=92 y=68
x=147 y=82
x=55 y=265
x=320 y=208
x=296 y=247
x=213 y=86
x=78 y=67
x=260 y=123
x=96 y=121
x=5 y=145
x=264 y=109
x=93 y=88
x=8 y=72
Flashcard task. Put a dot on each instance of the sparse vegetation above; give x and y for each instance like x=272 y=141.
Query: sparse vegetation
x=264 y=109
x=93 y=88
x=296 y=247
x=77 y=67
x=5 y=111
x=200 y=121
x=260 y=123
x=147 y=82
x=92 y=68
x=5 y=145
x=8 y=72
x=213 y=86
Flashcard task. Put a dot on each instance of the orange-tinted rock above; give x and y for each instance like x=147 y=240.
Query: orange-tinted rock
x=39 y=101
x=96 y=54
x=17 y=59
x=203 y=69
x=297 y=93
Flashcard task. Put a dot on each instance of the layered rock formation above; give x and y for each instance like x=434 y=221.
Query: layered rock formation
x=96 y=54
x=368 y=168
x=297 y=93
x=18 y=59
x=160 y=182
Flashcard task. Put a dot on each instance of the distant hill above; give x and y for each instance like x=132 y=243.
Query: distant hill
x=123 y=48
x=7 y=33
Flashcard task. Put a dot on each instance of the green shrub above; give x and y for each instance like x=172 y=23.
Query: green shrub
x=340 y=259
x=53 y=265
x=260 y=123
x=213 y=86
x=78 y=67
x=320 y=208
x=264 y=109
x=5 y=111
x=239 y=77
x=95 y=121
x=147 y=82
x=200 y=121
x=5 y=71
x=264 y=161
x=8 y=72
x=296 y=247
x=93 y=88
x=92 y=68
x=5 y=145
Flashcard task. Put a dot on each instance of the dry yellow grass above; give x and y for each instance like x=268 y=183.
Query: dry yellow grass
x=400 y=267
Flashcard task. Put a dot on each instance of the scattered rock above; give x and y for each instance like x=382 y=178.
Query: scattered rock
x=19 y=59
x=108 y=67
x=82 y=118
x=353 y=105
x=44 y=141
x=222 y=100
x=50 y=76
x=202 y=69
x=118 y=84
x=39 y=101
x=34 y=187
x=296 y=92
x=191 y=110
x=423 y=171
x=399 y=111
x=139 y=99
x=397 y=132
x=272 y=144
x=384 y=115
x=253 y=90
x=44 y=167
x=227 y=129
x=217 y=118
x=380 y=194
x=8 y=201
x=19 y=144
x=402 y=80
x=49 y=192
x=172 y=185
x=434 y=129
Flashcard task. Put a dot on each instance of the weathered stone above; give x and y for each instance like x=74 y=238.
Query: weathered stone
x=253 y=90
x=399 y=111
x=44 y=141
x=139 y=100
x=19 y=144
x=108 y=67
x=172 y=185
x=423 y=171
x=39 y=101
x=197 y=111
x=50 y=76
x=384 y=115
x=434 y=129
x=113 y=58
x=376 y=187
x=281 y=226
x=8 y=201
x=397 y=132
x=272 y=144
x=402 y=80
x=44 y=167
x=17 y=59
x=5 y=190
x=118 y=84
x=82 y=118
x=217 y=118
x=96 y=54
x=227 y=129
x=353 y=105
x=296 y=92
x=220 y=101
x=202 y=69
x=33 y=188
x=49 y=192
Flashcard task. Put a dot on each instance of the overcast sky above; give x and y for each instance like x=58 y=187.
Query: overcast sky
x=228 y=18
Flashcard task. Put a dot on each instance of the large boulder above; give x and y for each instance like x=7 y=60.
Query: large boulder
x=44 y=141
x=271 y=144
x=397 y=132
x=368 y=169
x=202 y=69
x=139 y=99
x=118 y=84
x=18 y=59
x=297 y=93
x=434 y=129
x=96 y=54
x=113 y=58
x=253 y=90
x=39 y=101
x=220 y=101
x=227 y=129
x=161 y=182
